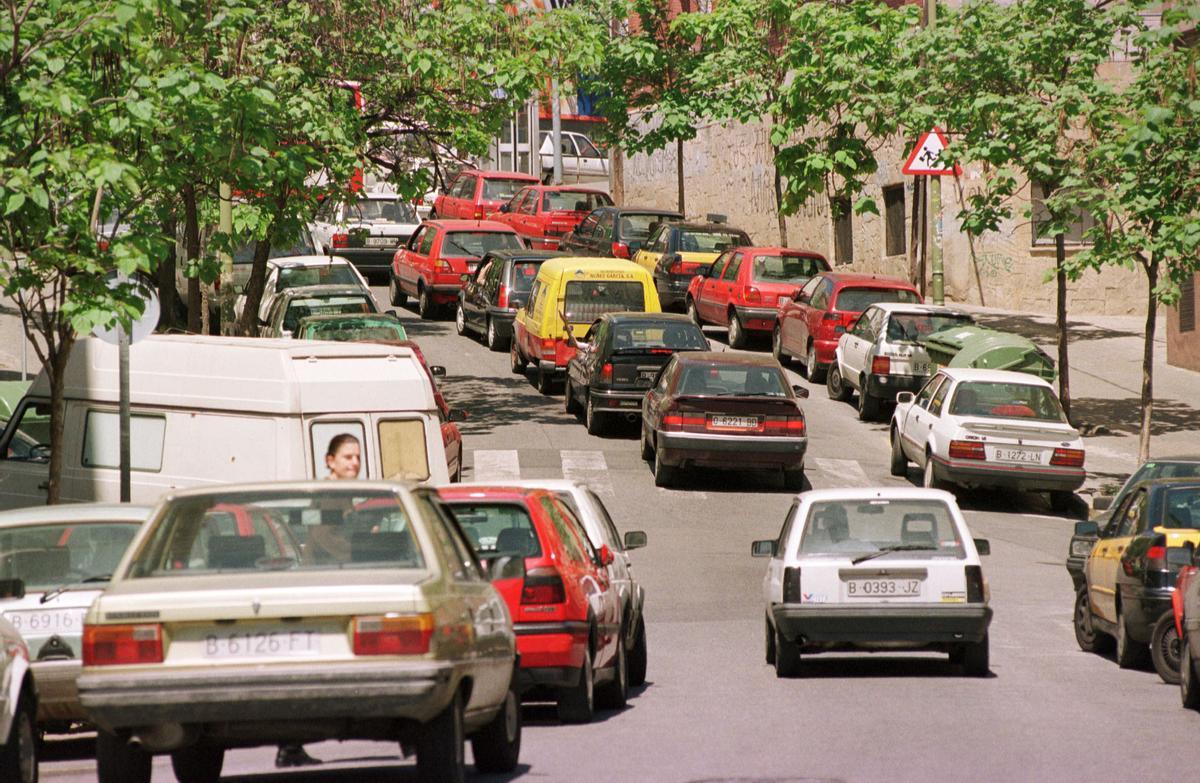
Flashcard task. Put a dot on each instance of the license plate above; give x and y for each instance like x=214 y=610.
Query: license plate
x=733 y=422
x=921 y=368
x=261 y=644
x=47 y=620
x=647 y=375
x=380 y=241
x=883 y=588
x=1023 y=456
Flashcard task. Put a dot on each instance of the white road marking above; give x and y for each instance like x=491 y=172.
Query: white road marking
x=846 y=471
x=590 y=468
x=496 y=465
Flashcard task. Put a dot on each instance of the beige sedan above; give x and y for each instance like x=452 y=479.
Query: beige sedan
x=293 y=613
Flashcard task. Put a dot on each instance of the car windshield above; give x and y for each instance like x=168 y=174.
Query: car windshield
x=1182 y=508
x=51 y=555
x=635 y=338
x=855 y=300
x=300 y=245
x=693 y=240
x=586 y=300
x=322 y=530
x=1006 y=401
x=502 y=189
x=476 y=243
x=733 y=381
x=384 y=210
x=352 y=329
x=325 y=274
x=496 y=529
x=304 y=306
x=573 y=200
x=911 y=327
x=636 y=225
x=785 y=269
x=524 y=273
x=858 y=527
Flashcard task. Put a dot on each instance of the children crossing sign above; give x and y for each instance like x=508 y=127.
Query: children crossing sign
x=926 y=157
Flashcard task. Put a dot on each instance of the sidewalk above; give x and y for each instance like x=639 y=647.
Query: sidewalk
x=1106 y=382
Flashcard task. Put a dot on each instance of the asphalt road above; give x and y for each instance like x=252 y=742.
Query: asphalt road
x=712 y=710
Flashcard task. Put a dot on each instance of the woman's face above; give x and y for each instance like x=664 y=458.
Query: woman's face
x=345 y=463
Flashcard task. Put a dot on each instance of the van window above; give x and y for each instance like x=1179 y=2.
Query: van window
x=102 y=444
x=29 y=429
x=402 y=449
x=587 y=300
x=538 y=298
x=323 y=432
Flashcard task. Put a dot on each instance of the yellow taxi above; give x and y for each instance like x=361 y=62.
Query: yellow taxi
x=569 y=294
x=677 y=249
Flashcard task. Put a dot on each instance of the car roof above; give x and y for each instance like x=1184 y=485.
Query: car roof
x=667 y=213
x=566 y=188
x=525 y=255
x=331 y=289
x=727 y=357
x=487 y=491
x=701 y=226
x=759 y=250
x=306 y=261
x=77 y=513
x=1171 y=481
x=308 y=319
x=877 y=493
x=891 y=307
x=554 y=485
x=471 y=225
x=314 y=486
x=994 y=376
x=863 y=280
x=502 y=175
x=653 y=318
x=565 y=264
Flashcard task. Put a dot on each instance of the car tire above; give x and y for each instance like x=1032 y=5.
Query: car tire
x=570 y=404
x=198 y=764
x=18 y=756
x=497 y=746
x=516 y=362
x=737 y=334
x=929 y=478
x=460 y=320
x=647 y=449
x=1086 y=636
x=777 y=347
x=1189 y=679
x=440 y=752
x=664 y=474
x=813 y=372
x=543 y=381
x=396 y=296
x=1061 y=501
x=425 y=307
x=613 y=694
x=1164 y=648
x=899 y=463
x=787 y=657
x=1130 y=654
x=868 y=405
x=117 y=761
x=692 y=312
x=494 y=341
x=769 y=637
x=793 y=480
x=577 y=704
x=975 y=658
x=638 y=657
x=593 y=419
x=835 y=385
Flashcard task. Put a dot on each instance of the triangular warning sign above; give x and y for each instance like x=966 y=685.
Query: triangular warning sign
x=926 y=156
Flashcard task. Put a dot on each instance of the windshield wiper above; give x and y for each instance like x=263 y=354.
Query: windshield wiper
x=50 y=595
x=896 y=548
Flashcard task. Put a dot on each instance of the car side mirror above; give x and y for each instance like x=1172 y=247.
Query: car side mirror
x=1088 y=528
x=40 y=453
x=765 y=548
x=801 y=392
x=457 y=414
x=286 y=334
x=905 y=398
x=1102 y=502
x=12 y=588
x=506 y=567
x=635 y=539
x=983 y=546
x=437 y=371
x=605 y=556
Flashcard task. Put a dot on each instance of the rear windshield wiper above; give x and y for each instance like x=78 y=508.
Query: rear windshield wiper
x=50 y=595
x=896 y=548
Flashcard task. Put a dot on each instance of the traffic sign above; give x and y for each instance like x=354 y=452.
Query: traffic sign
x=926 y=156
x=144 y=325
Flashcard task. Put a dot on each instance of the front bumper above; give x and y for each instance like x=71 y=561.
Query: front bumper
x=886 y=387
x=1041 y=478
x=715 y=450
x=756 y=319
x=916 y=624
x=58 y=696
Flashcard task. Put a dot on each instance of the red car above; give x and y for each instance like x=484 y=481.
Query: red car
x=440 y=257
x=544 y=214
x=473 y=194
x=742 y=287
x=810 y=322
x=566 y=614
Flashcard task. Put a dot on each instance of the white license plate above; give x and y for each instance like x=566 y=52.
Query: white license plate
x=883 y=588
x=733 y=422
x=921 y=368
x=47 y=620
x=1023 y=456
x=647 y=375
x=380 y=241
x=261 y=644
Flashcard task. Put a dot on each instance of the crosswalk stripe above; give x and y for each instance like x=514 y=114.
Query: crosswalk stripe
x=847 y=471
x=497 y=465
x=589 y=467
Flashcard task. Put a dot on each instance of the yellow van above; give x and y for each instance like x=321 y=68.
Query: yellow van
x=572 y=293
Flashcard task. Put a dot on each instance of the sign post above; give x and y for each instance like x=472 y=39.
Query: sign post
x=925 y=160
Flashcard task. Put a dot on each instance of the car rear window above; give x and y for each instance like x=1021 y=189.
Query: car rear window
x=354 y=329
x=497 y=529
x=911 y=327
x=1006 y=401
x=586 y=300
x=476 y=243
x=786 y=269
x=384 y=211
x=47 y=556
x=732 y=381
x=855 y=300
x=302 y=307
x=1182 y=508
x=326 y=274
x=502 y=189
x=524 y=273
x=637 y=226
x=300 y=245
x=573 y=200
x=632 y=338
x=698 y=241
x=858 y=527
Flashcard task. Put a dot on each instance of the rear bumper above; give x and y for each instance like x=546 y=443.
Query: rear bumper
x=882 y=623
x=553 y=645
x=1028 y=479
x=672 y=291
x=623 y=400
x=825 y=350
x=711 y=450
x=444 y=292
x=756 y=319
x=372 y=260
x=1143 y=608
x=886 y=387
x=58 y=696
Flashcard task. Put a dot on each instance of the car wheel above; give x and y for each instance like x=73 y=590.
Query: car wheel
x=899 y=463
x=975 y=658
x=517 y=362
x=425 y=307
x=593 y=419
x=497 y=746
x=544 y=381
x=929 y=478
x=777 y=347
x=395 y=295
x=18 y=756
x=835 y=385
x=1189 y=682
x=868 y=406
x=440 y=753
x=787 y=657
x=1086 y=636
x=1130 y=654
x=737 y=335
x=460 y=320
x=769 y=637
x=494 y=341
x=664 y=474
x=1061 y=501
x=577 y=704
x=638 y=657
x=793 y=479
x=117 y=761
x=692 y=312
x=198 y=764
x=1164 y=648
x=647 y=449
x=614 y=693
x=812 y=370
x=570 y=404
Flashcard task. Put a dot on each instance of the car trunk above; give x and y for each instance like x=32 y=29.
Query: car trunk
x=889 y=579
x=560 y=222
x=379 y=234
x=637 y=370
x=463 y=265
x=735 y=416
x=1016 y=442
x=689 y=262
x=768 y=293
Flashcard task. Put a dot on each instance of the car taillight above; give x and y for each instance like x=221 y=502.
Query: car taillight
x=606 y=373
x=620 y=250
x=1067 y=458
x=502 y=298
x=676 y=268
x=1156 y=558
x=791 y=585
x=340 y=240
x=976 y=590
x=543 y=585
x=444 y=266
x=549 y=348
x=967 y=449
x=113 y=645
x=881 y=365
x=672 y=421
x=478 y=214
x=752 y=294
x=785 y=425
x=389 y=634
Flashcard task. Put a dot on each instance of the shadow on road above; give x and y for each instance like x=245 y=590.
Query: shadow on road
x=1124 y=416
x=1045 y=333
x=403 y=771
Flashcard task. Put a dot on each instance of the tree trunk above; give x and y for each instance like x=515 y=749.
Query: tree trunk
x=783 y=237
x=247 y=325
x=56 y=370
x=191 y=248
x=679 y=174
x=1148 y=361
x=1060 y=322
x=166 y=275
x=617 y=176
x=914 y=238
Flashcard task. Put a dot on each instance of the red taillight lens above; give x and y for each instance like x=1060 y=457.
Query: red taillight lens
x=1156 y=557
x=791 y=585
x=606 y=373
x=543 y=586
x=967 y=449
x=676 y=268
x=393 y=634
x=620 y=250
x=1067 y=458
x=787 y=425
x=444 y=266
x=114 y=645
x=672 y=421
x=752 y=294
x=478 y=214
x=549 y=348
x=881 y=365
x=340 y=240
x=975 y=588
x=502 y=298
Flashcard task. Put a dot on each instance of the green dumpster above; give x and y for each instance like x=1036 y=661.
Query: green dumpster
x=11 y=393
x=976 y=346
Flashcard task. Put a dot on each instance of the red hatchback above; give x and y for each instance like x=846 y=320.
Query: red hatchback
x=566 y=615
x=810 y=322
x=740 y=290
x=473 y=194
x=544 y=214
x=440 y=257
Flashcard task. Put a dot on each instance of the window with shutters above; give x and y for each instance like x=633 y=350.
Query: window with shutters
x=843 y=232
x=893 y=203
x=1080 y=223
x=1187 y=305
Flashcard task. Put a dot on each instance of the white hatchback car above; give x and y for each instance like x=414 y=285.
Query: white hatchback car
x=875 y=569
x=299 y=271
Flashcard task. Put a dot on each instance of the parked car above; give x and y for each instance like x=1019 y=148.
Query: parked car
x=298 y=272
x=615 y=232
x=544 y=214
x=676 y=250
x=441 y=257
x=875 y=569
x=379 y=623
x=294 y=304
x=351 y=327
x=498 y=288
x=473 y=194
x=1130 y=574
x=988 y=428
x=1187 y=608
x=724 y=410
x=366 y=230
x=811 y=321
x=883 y=354
x=741 y=288
x=566 y=612
x=619 y=358
x=63 y=555
x=581 y=160
x=18 y=704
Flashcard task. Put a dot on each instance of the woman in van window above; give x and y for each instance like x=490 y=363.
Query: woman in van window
x=344 y=457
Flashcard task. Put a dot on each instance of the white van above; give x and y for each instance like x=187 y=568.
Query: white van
x=211 y=410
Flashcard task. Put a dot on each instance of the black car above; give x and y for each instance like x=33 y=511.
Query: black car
x=500 y=286
x=1081 y=545
x=678 y=251
x=619 y=358
x=615 y=232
